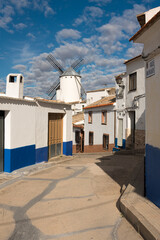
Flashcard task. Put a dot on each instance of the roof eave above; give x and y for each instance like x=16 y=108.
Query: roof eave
x=101 y=105
x=145 y=27
x=132 y=59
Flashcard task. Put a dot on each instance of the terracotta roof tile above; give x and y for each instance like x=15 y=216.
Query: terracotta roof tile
x=106 y=101
x=78 y=117
x=102 y=89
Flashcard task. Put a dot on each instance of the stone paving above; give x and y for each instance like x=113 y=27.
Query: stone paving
x=76 y=199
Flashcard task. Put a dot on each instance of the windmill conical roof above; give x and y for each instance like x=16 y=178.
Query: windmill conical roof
x=70 y=72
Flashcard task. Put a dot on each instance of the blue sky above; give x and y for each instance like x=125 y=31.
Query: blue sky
x=96 y=30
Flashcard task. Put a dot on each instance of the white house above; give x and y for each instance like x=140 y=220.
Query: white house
x=149 y=35
x=130 y=105
x=135 y=103
x=31 y=129
x=120 y=140
x=99 y=122
x=95 y=95
x=77 y=107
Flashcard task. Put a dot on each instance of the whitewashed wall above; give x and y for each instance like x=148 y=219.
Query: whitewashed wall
x=151 y=40
x=26 y=131
x=120 y=108
x=19 y=122
x=150 y=43
x=67 y=126
x=96 y=125
x=70 y=89
x=149 y=14
x=95 y=96
x=153 y=109
x=138 y=106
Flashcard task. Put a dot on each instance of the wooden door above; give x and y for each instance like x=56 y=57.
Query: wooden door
x=132 y=119
x=55 y=134
x=82 y=140
x=105 y=141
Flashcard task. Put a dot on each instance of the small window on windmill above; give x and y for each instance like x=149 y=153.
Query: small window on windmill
x=21 y=78
x=12 y=79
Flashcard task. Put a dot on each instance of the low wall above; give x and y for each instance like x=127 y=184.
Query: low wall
x=97 y=148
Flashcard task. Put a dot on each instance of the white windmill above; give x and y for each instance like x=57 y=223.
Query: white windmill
x=68 y=86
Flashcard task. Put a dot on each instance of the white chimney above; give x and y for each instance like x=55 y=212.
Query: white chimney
x=14 y=87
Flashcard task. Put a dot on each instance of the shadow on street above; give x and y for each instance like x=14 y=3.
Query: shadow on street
x=125 y=169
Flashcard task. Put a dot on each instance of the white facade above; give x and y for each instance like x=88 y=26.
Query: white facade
x=78 y=107
x=135 y=102
x=98 y=128
x=14 y=86
x=121 y=111
x=95 y=95
x=26 y=124
x=150 y=37
x=130 y=107
x=70 y=87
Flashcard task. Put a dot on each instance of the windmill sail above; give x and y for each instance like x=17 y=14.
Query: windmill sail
x=52 y=90
x=78 y=63
x=55 y=63
x=71 y=71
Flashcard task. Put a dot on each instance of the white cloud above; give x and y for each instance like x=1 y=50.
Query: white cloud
x=43 y=6
x=19 y=26
x=20 y=67
x=67 y=34
x=20 y=3
x=134 y=50
x=98 y=69
x=9 y=7
x=70 y=51
x=50 y=45
x=22 y=54
x=109 y=62
x=100 y=2
x=90 y=14
x=6 y=14
x=31 y=36
x=118 y=29
x=2 y=85
x=48 y=11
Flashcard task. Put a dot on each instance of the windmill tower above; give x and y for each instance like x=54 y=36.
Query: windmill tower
x=68 y=86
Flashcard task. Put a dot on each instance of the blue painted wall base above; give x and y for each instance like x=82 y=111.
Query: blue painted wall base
x=123 y=143
x=67 y=148
x=18 y=158
x=152 y=174
x=42 y=154
x=116 y=140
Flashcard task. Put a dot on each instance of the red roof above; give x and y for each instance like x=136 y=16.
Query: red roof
x=106 y=101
